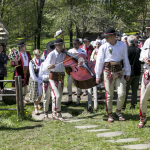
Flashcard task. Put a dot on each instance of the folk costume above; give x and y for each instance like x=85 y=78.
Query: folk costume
x=35 y=87
x=145 y=85
x=22 y=69
x=50 y=47
x=69 y=78
x=89 y=50
x=56 y=79
x=109 y=57
x=93 y=58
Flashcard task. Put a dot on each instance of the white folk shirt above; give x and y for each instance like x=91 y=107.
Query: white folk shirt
x=54 y=58
x=119 y=52
x=77 y=51
x=31 y=69
x=25 y=59
x=43 y=76
x=144 y=53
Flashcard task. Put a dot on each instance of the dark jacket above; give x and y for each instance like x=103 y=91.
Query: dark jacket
x=134 y=55
x=3 y=60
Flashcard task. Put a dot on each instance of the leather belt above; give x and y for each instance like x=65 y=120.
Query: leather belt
x=112 y=66
x=56 y=76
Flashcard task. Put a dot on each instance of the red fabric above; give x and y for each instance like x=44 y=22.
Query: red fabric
x=139 y=46
x=88 y=50
x=19 y=71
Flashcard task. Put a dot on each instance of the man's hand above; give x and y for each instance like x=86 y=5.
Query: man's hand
x=127 y=78
x=145 y=59
x=52 y=66
x=5 y=65
x=98 y=80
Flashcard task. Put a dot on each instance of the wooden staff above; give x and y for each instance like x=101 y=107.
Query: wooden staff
x=63 y=37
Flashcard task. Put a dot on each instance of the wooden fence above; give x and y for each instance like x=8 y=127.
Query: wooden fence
x=18 y=95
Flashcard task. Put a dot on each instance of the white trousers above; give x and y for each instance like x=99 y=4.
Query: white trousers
x=95 y=96
x=56 y=93
x=111 y=79
x=69 y=86
x=46 y=96
x=145 y=93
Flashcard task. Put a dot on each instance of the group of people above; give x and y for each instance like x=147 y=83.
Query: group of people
x=118 y=61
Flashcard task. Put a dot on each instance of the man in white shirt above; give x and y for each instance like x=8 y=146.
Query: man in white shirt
x=76 y=50
x=54 y=66
x=109 y=57
x=145 y=85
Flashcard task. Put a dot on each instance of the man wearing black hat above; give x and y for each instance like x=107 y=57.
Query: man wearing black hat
x=142 y=41
x=89 y=49
x=109 y=57
x=22 y=66
x=76 y=50
x=145 y=85
x=50 y=47
x=54 y=66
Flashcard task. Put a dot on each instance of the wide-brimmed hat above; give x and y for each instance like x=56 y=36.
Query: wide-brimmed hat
x=21 y=43
x=50 y=46
x=142 y=39
x=148 y=26
x=58 y=41
x=109 y=31
x=76 y=40
x=86 y=39
x=37 y=52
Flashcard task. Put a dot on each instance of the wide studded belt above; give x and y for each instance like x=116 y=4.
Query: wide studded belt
x=56 y=76
x=112 y=66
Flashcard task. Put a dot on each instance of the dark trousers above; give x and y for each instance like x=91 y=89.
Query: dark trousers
x=1 y=83
x=134 y=83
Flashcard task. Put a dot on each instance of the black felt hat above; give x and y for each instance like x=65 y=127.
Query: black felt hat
x=21 y=43
x=76 y=40
x=117 y=34
x=109 y=31
x=148 y=26
x=50 y=46
x=86 y=39
x=142 y=39
x=58 y=41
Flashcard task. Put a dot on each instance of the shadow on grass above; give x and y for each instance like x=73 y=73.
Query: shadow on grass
x=21 y=128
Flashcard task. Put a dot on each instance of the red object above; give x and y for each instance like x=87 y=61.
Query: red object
x=19 y=71
x=139 y=46
x=88 y=50
x=37 y=62
x=83 y=77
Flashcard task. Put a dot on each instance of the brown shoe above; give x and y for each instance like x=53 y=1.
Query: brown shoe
x=110 y=118
x=142 y=122
x=57 y=116
x=119 y=115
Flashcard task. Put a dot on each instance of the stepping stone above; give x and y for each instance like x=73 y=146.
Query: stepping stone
x=41 y=115
x=74 y=120
x=86 y=127
x=137 y=146
x=110 y=134
x=96 y=130
x=123 y=140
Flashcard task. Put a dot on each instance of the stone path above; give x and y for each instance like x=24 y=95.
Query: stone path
x=86 y=127
x=96 y=130
x=41 y=116
x=137 y=146
x=75 y=120
x=110 y=134
x=123 y=140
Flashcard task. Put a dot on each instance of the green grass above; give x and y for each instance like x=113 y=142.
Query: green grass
x=55 y=135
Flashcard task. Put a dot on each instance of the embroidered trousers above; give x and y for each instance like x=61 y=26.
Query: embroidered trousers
x=145 y=93
x=110 y=80
x=46 y=96
x=56 y=93
x=69 y=86
x=95 y=96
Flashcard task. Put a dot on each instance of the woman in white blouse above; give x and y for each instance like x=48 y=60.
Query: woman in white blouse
x=35 y=85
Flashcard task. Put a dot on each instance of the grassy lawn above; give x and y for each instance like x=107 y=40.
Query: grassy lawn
x=55 y=135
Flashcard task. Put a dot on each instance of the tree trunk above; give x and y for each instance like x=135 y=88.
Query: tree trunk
x=71 y=33
x=39 y=21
